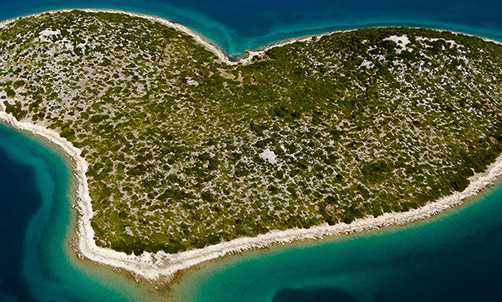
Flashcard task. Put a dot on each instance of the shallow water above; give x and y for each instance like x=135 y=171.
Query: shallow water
x=237 y=25
x=36 y=221
x=453 y=257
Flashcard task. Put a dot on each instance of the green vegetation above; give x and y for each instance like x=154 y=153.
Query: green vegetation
x=177 y=142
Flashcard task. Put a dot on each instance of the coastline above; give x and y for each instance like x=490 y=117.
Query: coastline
x=152 y=266
x=211 y=46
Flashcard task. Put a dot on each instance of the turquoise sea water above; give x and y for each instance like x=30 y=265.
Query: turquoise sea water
x=36 y=219
x=454 y=257
x=236 y=25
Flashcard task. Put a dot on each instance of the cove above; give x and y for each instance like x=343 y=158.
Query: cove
x=36 y=263
x=237 y=25
x=452 y=257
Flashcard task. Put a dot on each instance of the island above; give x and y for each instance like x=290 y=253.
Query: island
x=182 y=155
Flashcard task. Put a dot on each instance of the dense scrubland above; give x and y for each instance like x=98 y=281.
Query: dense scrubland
x=186 y=151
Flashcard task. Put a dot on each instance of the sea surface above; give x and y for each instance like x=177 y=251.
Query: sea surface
x=36 y=224
x=237 y=25
x=454 y=257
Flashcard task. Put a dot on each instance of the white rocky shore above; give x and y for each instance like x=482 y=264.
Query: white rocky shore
x=205 y=42
x=154 y=265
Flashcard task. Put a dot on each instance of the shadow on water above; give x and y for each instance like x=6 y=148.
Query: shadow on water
x=314 y=294
x=19 y=200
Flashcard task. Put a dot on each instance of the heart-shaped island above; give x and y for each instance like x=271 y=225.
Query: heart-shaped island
x=189 y=152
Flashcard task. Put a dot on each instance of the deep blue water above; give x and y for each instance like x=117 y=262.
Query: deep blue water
x=36 y=222
x=20 y=200
x=455 y=257
x=237 y=25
